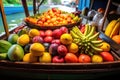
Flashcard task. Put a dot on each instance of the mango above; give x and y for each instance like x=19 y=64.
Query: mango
x=29 y=58
x=15 y=53
x=23 y=40
x=45 y=58
x=37 y=49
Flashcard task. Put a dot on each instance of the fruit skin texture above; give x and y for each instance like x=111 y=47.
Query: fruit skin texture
x=56 y=33
x=37 y=49
x=48 y=33
x=66 y=39
x=107 y=56
x=116 y=38
x=15 y=53
x=57 y=59
x=73 y=48
x=64 y=29
x=62 y=50
x=45 y=58
x=38 y=39
x=71 y=58
x=48 y=39
x=4 y=46
x=29 y=58
x=83 y=58
x=57 y=41
x=105 y=46
x=34 y=32
x=53 y=49
x=23 y=40
x=97 y=59
x=13 y=38
x=3 y=56
x=112 y=28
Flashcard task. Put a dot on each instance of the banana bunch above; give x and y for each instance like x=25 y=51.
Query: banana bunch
x=88 y=41
x=113 y=28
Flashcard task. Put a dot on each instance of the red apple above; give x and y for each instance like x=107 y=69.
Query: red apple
x=48 y=33
x=57 y=33
x=58 y=59
x=37 y=39
x=64 y=29
x=62 y=50
x=57 y=41
x=48 y=39
x=42 y=33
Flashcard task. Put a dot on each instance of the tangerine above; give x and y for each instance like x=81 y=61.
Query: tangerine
x=116 y=38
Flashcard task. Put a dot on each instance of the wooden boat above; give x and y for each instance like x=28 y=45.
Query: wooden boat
x=56 y=70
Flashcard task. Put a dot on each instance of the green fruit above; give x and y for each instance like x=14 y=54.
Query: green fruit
x=4 y=46
x=13 y=38
x=15 y=53
x=3 y=56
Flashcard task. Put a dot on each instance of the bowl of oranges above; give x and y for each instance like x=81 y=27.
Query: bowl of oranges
x=52 y=19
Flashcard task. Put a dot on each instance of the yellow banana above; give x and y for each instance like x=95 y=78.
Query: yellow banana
x=115 y=30
x=110 y=27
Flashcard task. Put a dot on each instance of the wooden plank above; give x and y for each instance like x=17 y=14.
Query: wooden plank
x=4 y=18
x=24 y=3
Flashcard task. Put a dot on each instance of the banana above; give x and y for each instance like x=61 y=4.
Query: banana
x=96 y=41
x=77 y=31
x=91 y=32
x=73 y=34
x=86 y=29
x=96 y=48
x=110 y=27
x=98 y=45
x=115 y=30
x=94 y=37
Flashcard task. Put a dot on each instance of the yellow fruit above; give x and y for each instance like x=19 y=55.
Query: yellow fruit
x=34 y=32
x=97 y=59
x=23 y=40
x=66 y=39
x=73 y=48
x=37 y=49
x=105 y=46
x=29 y=58
x=45 y=58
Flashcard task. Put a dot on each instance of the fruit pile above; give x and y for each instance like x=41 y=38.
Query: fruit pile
x=81 y=44
x=53 y=17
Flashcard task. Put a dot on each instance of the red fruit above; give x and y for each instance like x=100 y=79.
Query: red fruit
x=83 y=58
x=82 y=28
x=48 y=39
x=64 y=30
x=54 y=9
x=62 y=50
x=71 y=58
x=37 y=39
x=53 y=49
x=42 y=33
x=57 y=33
x=57 y=41
x=107 y=56
x=48 y=33
x=58 y=59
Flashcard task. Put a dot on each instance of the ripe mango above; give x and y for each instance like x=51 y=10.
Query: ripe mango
x=15 y=53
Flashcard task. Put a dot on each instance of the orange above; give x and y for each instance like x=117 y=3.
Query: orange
x=34 y=32
x=116 y=38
